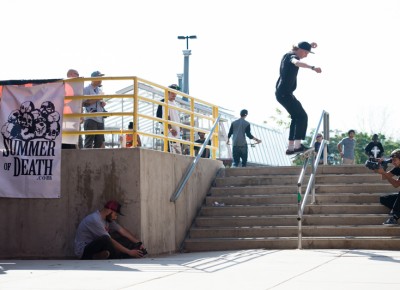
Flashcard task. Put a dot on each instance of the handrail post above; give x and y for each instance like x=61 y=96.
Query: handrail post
x=135 y=111
x=191 y=167
x=311 y=183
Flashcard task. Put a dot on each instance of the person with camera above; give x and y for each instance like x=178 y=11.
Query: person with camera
x=94 y=106
x=392 y=201
x=100 y=237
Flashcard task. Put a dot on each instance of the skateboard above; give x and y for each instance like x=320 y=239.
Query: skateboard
x=306 y=154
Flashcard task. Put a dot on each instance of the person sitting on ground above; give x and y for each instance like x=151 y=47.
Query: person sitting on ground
x=99 y=236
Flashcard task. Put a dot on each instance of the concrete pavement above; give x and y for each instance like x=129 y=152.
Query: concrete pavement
x=245 y=269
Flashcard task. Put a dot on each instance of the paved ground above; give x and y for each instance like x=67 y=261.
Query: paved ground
x=245 y=270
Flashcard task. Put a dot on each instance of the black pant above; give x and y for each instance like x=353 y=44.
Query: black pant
x=104 y=243
x=93 y=141
x=298 y=126
x=237 y=153
x=392 y=201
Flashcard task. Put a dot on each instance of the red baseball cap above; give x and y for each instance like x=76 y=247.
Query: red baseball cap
x=114 y=206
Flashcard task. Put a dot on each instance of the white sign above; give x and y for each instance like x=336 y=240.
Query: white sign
x=30 y=141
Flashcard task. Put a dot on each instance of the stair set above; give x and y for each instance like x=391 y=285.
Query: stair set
x=253 y=208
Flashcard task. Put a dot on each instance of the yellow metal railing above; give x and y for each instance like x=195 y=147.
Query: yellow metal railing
x=136 y=114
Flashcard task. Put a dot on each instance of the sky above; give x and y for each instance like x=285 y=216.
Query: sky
x=235 y=58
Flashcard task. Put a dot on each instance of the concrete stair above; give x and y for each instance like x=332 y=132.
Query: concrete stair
x=260 y=211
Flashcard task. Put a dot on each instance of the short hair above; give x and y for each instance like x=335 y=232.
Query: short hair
x=351 y=131
x=72 y=71
x=243 y=113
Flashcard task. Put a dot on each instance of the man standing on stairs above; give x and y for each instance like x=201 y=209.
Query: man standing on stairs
x=239 y=129
x=392 y=201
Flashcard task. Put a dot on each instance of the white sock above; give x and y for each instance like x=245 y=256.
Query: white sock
x=291 y=145
x=297 y=144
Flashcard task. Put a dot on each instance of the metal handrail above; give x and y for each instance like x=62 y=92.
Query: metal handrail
x=301 y=202
x=191 y=167
x=135 y=114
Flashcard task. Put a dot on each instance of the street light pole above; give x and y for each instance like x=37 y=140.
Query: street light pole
x=186 y=54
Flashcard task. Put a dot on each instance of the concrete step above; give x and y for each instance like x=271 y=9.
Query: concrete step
x=290 y=220
x=378 y=243
x=292 y=199
x=292 y=231
x=287 y=209
x=290 y=189
x=292 y=179
x=293 y=170
x=260 y=211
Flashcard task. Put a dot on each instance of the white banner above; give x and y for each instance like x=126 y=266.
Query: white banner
x=30 y=141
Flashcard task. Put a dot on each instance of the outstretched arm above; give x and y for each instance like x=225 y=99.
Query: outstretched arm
x=388 y=176
x=299 y=63
x=133 y=253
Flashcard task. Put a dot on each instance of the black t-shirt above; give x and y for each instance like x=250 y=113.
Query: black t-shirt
x=395 y=171
x=287 y=81
x=371 y=145
x=196 y=149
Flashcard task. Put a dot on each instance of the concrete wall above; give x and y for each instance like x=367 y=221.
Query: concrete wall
x=142 y=180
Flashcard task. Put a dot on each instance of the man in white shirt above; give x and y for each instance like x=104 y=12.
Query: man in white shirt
x=174 y=131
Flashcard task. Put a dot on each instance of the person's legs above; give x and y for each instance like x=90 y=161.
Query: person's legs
x=299 y=123
x=396 y=208
x=99 y=139
x=244 y=154
x=236 y=156
x=347 y=161
x=388 y=200
x=101 y=244
x=301 y=117
x=287 y=101
x=89 y=139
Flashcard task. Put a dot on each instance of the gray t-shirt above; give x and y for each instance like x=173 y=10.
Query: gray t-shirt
x=348 y=147
x=240 y=129
x=91 y=228
x=95 y=107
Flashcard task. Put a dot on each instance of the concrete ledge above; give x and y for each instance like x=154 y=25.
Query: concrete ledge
x=143 y=180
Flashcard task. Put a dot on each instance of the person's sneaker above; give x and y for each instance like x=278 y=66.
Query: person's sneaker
x=289 y=152
x=390 y=222
x=302 y=148
x=103 y=255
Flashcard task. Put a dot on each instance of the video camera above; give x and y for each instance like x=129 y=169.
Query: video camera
x=374 y=163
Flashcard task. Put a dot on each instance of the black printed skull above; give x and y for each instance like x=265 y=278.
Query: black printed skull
x=14 y=117
x=53 y=131
x=26 y=120
x=27 y=107
x=47 y=108
x=40 y=127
